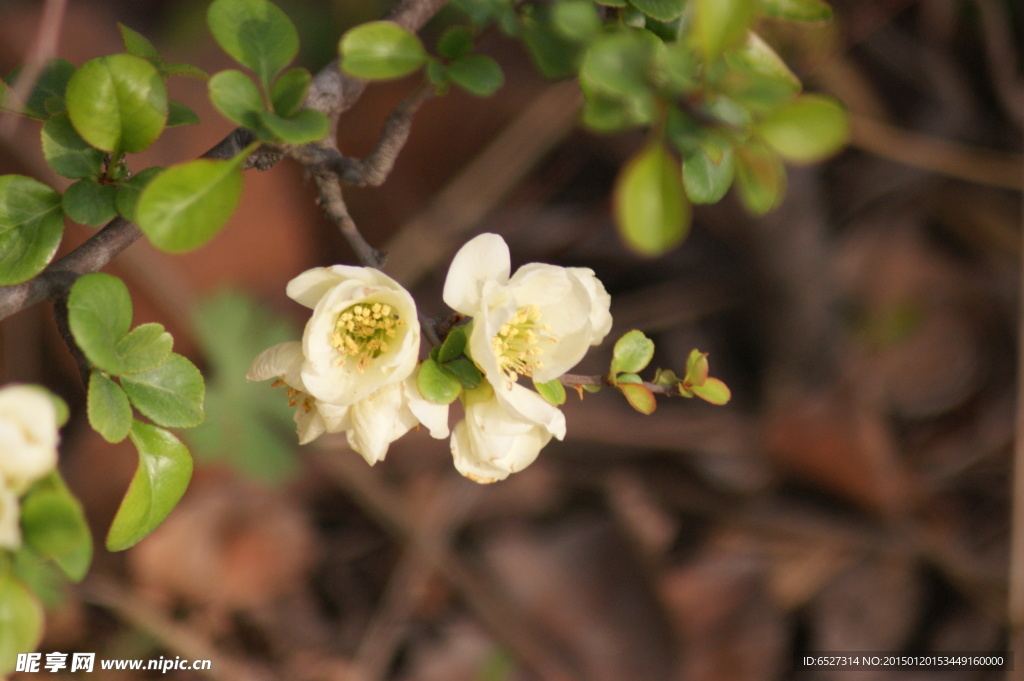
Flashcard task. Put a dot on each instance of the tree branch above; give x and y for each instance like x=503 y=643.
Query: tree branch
x=333 y=203
x=332 y=92
x=574 y=380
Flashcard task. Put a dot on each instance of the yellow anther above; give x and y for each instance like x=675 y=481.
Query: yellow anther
x=360 y=332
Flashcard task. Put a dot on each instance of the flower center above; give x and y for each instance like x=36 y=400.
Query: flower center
x=517 y=344
x=362 y=331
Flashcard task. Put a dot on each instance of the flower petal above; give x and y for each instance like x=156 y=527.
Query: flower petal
x=283 y=361
x=529 y=406
x=378 y=421
x=433 y=416
x=10 y=520
x=483 y=258
x=28 y=436
x=600 y=303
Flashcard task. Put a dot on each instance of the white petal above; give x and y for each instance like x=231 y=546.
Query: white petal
x=283 y=361
x=28 y=436
x=600 y=307
x=483 y=258
x=310 y=286
x=433 y=416
x=378 y=421
x=531 y=407
x=309 y=424
x=468 y=462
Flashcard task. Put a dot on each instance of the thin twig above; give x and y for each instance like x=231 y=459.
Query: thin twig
x=60 y=313
x=573 y=380
x=1002 y=56
x=333 y=204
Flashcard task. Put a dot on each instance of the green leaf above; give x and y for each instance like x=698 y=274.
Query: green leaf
x=187 y=204
x=553 y=391
x=720 y=24
x=118 y=103
x=713 y=391
x=289 y=91
x=620 y=64
x=808 y=129
x=109 y=411
x=759 y=77
x=236 y=96
x=165 y=468
x=144 y=348
x=139 y=45
x=662 y=10
x=628 y=377
x=49 y=88
x=576 y=20
x=247 y=425
x=100 y=314
x=651 y=209
x=170 y=395
x=31 y=227
x=484 y=12
x=66 y=152
x=696 y=368
x=632 y=353
x=308 y=125
x=178 y=114
x=436 y=383
x=554 y=55
x=639 y=397
x=53 y=524
x=88 y=202
x=760 y=177
x=797 y=10
x=256 y=33
x=380 y=50
x=454 y=344
x=21 y=621
x=464 y=370
x=455 y=42
x=477 y=74
x=127 y=194
x=706 y=181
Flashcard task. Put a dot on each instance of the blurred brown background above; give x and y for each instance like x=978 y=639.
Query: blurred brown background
x=854 y=495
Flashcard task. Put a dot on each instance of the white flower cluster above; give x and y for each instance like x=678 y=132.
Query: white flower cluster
x=28 y=451
x=355 y=368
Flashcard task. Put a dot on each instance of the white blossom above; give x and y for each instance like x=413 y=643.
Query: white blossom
x=491 y=442
x=363 y=334
x=538 y=322
x=28 y=437
x=10 y=520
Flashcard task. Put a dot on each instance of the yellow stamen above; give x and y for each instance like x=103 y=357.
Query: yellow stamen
x=517 y=344
x=361 y=332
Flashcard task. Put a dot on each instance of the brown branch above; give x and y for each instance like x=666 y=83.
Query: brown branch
x=333 y=203
x=60 y=313
x=332 y=93
x=573 y=380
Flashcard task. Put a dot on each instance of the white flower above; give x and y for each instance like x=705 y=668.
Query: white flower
x=28 y=436
x=312 y=417
x=362 y=336
x=371 y=424
x=491 y=443
x=10 y=520
x=539 y=322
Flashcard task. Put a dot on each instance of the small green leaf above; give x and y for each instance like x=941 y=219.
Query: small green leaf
x=639 y=397
x=477 y=74
x=178 y=114
x=651 y=209
x=21 y=621
x=759 y=77
x=662 y=10
x=696 y=368
x=53 y=524
x=620 y=64
x=720 y=24
x=455 y=42
x=436 y=383
x=628 y=377
x=256 y=33
x=117 y=103
x=797 y=10
x=66 y=152
x=31 y=227
x=713 y=391
x=576 y=19
x=109 y=411
x=760 y=177
x=170 y=395
x=704 y=180
x=632 y=353
x=289 y=91
x=380 y=50
x=165 y=468
x=454 y=345
x=49 y=88
x=235 y=95
x=144 y=348
x=553 y=391
x=666 y=378
x=554 y=55
x=139 y=45
x=308 y=125
x=127 y=195
x=808 y=129
x=187 y=204
x=88 y=202
x=464 y=370
x=100 y=314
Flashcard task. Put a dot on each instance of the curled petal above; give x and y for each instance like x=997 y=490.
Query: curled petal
x=283 y=361
x=484 y=258
x=600 y=303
